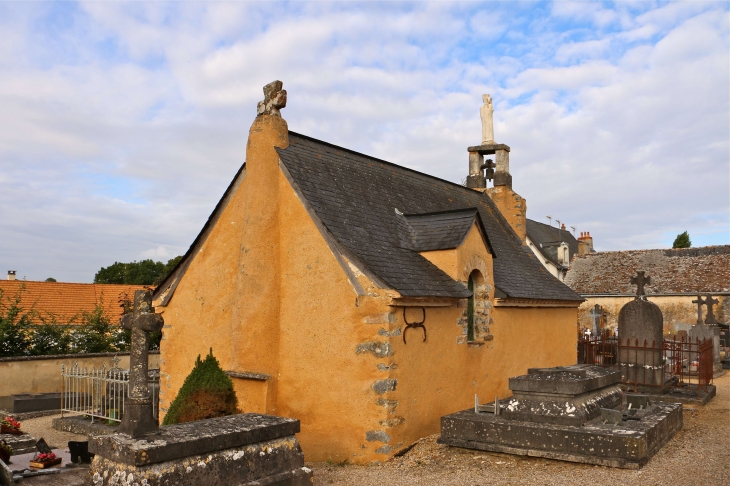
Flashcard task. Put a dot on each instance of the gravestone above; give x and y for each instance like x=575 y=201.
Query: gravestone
x=246 y=449
x=640 y=332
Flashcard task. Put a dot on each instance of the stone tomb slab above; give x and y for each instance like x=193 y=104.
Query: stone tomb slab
x=628 y=445
x=245 y=449
x=569 y=395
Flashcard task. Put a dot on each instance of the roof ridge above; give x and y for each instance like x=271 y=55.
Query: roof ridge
x=392 y=164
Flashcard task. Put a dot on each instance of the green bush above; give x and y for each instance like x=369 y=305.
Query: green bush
x=206 y=393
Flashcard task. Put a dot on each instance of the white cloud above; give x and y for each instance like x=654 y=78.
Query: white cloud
x=117 y=145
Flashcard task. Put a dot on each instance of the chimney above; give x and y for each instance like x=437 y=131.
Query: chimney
x=585 y=243
x=11 y=274
x=562 y=226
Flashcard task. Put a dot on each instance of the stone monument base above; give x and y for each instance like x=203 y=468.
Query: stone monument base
x=246 y=449
x=628 y=445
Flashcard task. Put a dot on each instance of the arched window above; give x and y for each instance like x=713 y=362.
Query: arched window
x=475 y=279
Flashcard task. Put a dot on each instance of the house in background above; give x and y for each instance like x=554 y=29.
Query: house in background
x=62 y=302
x=677 y=277
x=363 y=298
x=555 y=247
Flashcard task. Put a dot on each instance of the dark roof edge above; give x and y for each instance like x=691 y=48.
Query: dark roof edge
x=176 y=274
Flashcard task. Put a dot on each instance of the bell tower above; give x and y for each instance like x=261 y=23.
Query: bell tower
x=512 y=206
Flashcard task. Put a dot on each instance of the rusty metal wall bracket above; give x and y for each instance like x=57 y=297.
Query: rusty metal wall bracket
x=411 y=325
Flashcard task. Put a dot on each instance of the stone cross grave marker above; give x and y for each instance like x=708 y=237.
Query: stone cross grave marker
x=138 y=419
x=700 y=302
x=640 y=280
x=597 y=313
x=709 y=301
x=640 y=331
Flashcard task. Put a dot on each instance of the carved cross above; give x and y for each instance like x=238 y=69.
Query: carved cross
x=138 y=420
x=700 y=302
x=596 y=313
x=640 y=280
x=710 y=319
x=274 y=99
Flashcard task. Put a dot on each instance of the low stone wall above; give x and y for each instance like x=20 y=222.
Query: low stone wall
x=42 y=374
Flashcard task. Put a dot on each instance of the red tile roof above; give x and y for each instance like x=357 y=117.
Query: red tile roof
x=65 y=301
x=686 y=271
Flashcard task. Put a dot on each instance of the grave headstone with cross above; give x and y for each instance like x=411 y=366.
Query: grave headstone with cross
x=640 y=332
x=700 y=302
x=598 y=315
x=710 y=302
x=138 y=418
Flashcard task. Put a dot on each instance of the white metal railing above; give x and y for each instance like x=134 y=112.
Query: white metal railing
x=100 y=393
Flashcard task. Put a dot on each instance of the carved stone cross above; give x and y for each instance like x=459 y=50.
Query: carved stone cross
x=138 y=420
x=640 y=280
x=700 y=302
x=710 y=319
x=274 y=99
x=596 y=313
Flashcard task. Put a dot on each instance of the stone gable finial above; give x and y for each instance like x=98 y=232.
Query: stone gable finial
x=274 y=99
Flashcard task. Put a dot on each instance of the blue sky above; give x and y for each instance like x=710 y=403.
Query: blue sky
x=121 y=124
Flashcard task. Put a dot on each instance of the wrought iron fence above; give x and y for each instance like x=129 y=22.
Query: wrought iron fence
x=686 y=362
x=100 y=393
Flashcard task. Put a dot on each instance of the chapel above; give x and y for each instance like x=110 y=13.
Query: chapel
x=363 y=298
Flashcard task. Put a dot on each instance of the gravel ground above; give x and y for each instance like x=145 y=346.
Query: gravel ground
x=41 y=427
x=698 y=455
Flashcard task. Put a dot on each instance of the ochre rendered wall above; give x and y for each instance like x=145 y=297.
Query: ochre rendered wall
x=228 y=297
x=676 y=309
x=325 y=379
x=512 y=206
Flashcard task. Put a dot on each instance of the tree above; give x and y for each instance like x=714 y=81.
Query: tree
x=206 y=393
x=144 y=272
x=682 y=241
x=51 y=279
x=15 y=324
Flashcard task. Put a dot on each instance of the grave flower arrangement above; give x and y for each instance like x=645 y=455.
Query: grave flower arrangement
x=44 y=460
x=10 y=426
x=5 y=452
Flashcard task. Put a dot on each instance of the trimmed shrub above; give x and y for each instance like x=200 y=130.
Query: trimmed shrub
x=207 y=393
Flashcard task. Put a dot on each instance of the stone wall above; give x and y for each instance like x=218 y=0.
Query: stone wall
x=42 y=374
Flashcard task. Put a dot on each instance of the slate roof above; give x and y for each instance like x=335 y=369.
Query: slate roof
x=690 y=270
x=547 y=239
x=67 y=300
x=437 y=231
x=355 y=197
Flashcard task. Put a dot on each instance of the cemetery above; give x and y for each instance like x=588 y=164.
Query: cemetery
x=616 y=401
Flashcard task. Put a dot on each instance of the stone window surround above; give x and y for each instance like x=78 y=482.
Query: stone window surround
x=482 y=305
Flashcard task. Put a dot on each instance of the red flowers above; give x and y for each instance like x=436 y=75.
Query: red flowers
x=46 y=457
x=9 y=422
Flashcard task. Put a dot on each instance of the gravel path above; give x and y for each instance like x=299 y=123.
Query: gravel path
x=41 y=427
x=698 y=455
